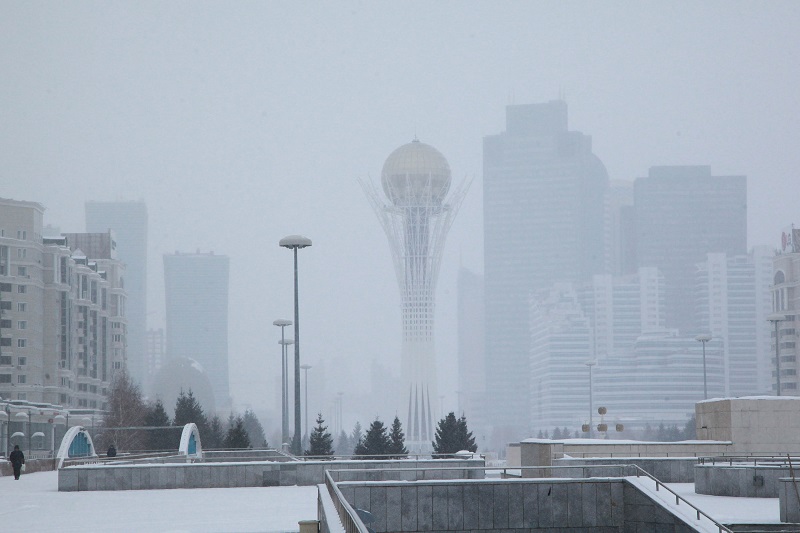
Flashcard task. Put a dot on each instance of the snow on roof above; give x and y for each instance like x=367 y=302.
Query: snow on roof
x=622 y=441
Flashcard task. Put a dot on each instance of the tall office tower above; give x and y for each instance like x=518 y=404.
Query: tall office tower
x=621 y=308
x=733 y=302
x=62 y=312
x=561 y=345
x=156 y=350
x=786 y=302
x=619 y=202
x=128 y=221
x=196 y=287
x=416 y=218
x=682 y=214
x=543 y=211
x=471 y=348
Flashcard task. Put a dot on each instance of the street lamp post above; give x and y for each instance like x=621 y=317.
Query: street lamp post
x=590 y=364
x=305 y=368
x=704 y=338
x=295 y=242
x=282 y=323
x=775 y=318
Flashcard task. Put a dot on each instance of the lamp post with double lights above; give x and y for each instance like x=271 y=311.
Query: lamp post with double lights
x=294 y=243
x=704 y=338
x=776 y=318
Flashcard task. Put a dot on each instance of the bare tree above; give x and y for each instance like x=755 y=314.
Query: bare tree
x=126 y=409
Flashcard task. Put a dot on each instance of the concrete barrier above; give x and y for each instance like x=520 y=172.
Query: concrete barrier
x=665 y=469
x=482 y=506
x=240 y=474
x=743 y=480
x=789 y=499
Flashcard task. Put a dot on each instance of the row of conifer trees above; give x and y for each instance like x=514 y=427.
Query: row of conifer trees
x=380 y=442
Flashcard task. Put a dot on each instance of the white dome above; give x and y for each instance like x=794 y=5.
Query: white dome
x=416 y=174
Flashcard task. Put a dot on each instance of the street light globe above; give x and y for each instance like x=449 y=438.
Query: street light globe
x=776 y=317
x=704 y=337
x=295 y=241
x=282 y=322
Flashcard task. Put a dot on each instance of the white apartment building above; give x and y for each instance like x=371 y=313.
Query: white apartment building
x=62 y=318
x=786 y=302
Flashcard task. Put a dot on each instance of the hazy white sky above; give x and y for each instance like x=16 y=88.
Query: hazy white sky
x=240 y=123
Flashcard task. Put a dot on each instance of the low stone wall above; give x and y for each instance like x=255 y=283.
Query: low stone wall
x=31 y=465
x=750 y=481
x=239 y=474
x=605 y=505
x=666 y=470
x=542 y=452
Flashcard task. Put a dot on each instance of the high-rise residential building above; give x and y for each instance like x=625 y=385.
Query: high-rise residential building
x=733 y=301
x=786 y=304
x=128 y=221
x=619 y=203
x=416 y=213
x=196 y=287
x=471 y=348
x=156 y=350
x=683 y=213
x=544 y=209
x=62 y=312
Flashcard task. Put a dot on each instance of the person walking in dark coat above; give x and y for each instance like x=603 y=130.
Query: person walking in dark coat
x=17 y=459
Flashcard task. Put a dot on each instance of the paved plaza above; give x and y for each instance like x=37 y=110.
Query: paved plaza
x=34 y=504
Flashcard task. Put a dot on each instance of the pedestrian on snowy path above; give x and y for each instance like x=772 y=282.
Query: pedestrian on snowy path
x=17 y=459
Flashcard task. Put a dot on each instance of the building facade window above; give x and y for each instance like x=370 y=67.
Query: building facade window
x=22 y=289
x=5 y=378
x=22 y=343
x=22 y=379
x=22 y=307
x=22 y=324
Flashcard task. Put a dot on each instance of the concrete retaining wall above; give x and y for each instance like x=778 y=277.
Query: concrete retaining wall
x=751 y=481
x=240 y=474
x=599 y=505
x=789 y=499
x=667 y=470
x=31 y=465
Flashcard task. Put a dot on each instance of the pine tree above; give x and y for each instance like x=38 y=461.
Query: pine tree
x=557 y=434
x=237 y=437
x=375 y=442
x=126 y=408
x=320 y=441
x=397 y=440
x=215 y=436
x=254 y=429
x=356 y=437
x=188 y=410
x=343 y=444
x=168 y=439
x=453 y=436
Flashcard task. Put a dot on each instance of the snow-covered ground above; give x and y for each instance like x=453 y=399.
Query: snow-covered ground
x=34 y=504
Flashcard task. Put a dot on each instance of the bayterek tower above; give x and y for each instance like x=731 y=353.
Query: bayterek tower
x=416 y=214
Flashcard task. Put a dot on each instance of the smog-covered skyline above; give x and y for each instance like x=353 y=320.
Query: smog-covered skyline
x=241 y=124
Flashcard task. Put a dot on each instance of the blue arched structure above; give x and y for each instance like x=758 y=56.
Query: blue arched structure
x=190 y=445
x=76 y=443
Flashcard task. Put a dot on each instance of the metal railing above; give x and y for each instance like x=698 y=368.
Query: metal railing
x=347 y=515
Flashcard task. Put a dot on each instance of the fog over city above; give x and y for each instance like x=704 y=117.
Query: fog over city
x=239 y=124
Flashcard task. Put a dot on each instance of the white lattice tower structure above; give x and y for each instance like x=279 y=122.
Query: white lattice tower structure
x=416 y=219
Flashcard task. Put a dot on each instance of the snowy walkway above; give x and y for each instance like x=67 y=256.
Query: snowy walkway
x=34 y=504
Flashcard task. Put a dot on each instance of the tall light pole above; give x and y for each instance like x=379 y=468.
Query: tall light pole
x=306 y=367
x=282 y=323
x=285 y=343
x=590 y=364
x=295 y=242
x=704 y=338
x=775 y=318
